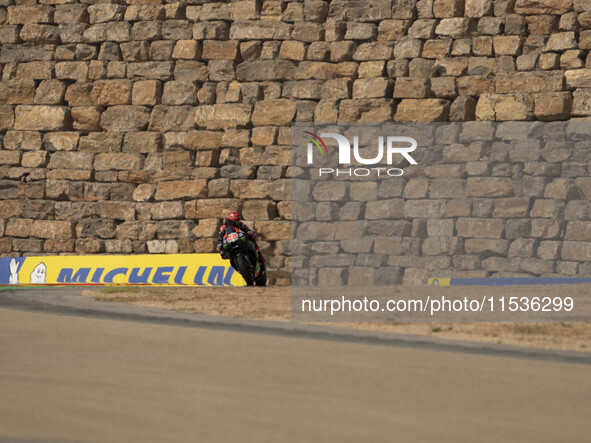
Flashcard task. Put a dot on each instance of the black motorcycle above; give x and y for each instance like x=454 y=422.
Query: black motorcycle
x=244 y=257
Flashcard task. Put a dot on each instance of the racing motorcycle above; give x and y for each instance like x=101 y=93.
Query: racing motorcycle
x=243 y=257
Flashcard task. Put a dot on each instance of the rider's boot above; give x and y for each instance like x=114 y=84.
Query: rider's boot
x=262 y=261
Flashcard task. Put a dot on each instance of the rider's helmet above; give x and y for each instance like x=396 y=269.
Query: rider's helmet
x=233 y=219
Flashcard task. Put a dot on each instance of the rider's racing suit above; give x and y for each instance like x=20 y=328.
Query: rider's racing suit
x=251 y=236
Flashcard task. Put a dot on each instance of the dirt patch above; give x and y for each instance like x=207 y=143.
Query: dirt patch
x=274 y=303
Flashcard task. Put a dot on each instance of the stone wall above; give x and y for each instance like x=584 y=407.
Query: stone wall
x=131 y=127
x=486 y=199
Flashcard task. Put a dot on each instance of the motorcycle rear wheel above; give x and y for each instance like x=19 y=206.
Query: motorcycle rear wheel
x=245 y=269
x=261 y=280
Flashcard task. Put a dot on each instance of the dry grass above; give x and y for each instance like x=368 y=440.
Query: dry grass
x=273 y=303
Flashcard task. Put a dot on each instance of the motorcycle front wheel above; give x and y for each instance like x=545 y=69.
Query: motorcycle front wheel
x=245 y=269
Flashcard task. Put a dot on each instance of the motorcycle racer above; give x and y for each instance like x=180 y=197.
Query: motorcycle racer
x=233 y=221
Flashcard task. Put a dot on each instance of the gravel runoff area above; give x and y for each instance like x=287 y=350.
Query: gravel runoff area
x=274 y=303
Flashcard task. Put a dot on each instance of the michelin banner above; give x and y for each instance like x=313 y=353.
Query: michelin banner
x=160 y=270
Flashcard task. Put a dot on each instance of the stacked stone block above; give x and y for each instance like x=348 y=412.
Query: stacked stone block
x=132 y=126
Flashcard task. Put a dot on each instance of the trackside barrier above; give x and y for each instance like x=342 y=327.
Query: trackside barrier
x=154 y=270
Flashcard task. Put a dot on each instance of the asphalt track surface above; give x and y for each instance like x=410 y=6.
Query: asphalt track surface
x=76 y=370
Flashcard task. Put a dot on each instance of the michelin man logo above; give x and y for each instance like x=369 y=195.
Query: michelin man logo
x=37 y=276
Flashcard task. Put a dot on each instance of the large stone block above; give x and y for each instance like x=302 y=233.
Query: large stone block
x=373 y=51
x=448 y=8
x=581 y=105
x=146 y=92
x=273 y=230
x=511 y=207
x=6 y=117
x=210 y=30
x=168 y=210
x=111 y=92
x=273 y=112
x=478 y=8
x=170 y=230
x=120 y=162
x=14 y=53
x=562 y=189
x=172 y=118
x=546 y=228
x=510 y=45
x=70 y=160
x=79 y=94
x=454 y=27
x=250 y=188
x=260 y=30
x=18 y=227
x=532 y=7
x=135 y=51
x=11 y=208
x=424 y=208
x=123 y=118
x=329 y=191
x=144 y=12
x=553 y=106
x=385 y=209
x=12 y=158
x=14 y=92
x=19 y=15
x=480 y=227
x=9 y=34
x=259 y=210
x=52 y=229
x=107 y=12
x=578 y=78
x=265 y=70
x=578 y=230
x=212 y=208
x=328 y=277
x=223 y=116
x=392 y=30
x=361 y=11
x=179 y=93
x=372 y=87
x=576 y=250
x=181 y=189
x=76 y=210
x=220 y=50
x=77 y=71
x=42 y=118
x=39 y=34
x=142 y=142
x=22 y=140
x=561 y=41
x=116 y=210
x=436 y=48
x=486 y=247
x=152 y=70
x=441 y=245
x=489 y=187
x=50 y=92
x=86 y=118
x=425 y=110
x=505 y=107
x=530 y=82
